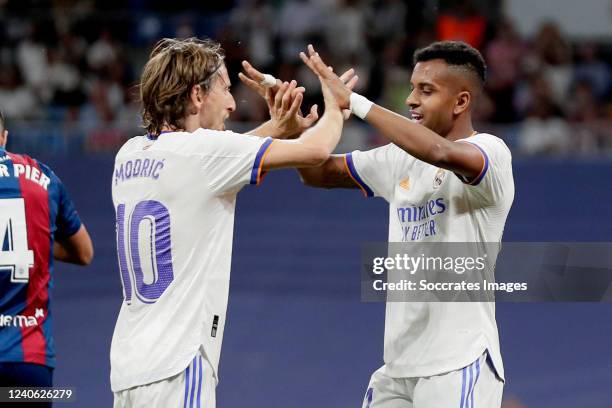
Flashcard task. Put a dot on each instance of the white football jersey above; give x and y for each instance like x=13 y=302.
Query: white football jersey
x=430 y=204
x=175 y=199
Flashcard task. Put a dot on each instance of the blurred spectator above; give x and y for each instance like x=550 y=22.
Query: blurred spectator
x=106 y=97
x=503 y=55
x=484 y=109
x=255 y=20
x=102 y=52
x=585 y=113
x=553 y=57
x=32 y=59
x=544 y=131
x=184 y=30
x=387 y=19
x=250 y=107
x=584 y=105
x=73 y=62
x=64 y=79
x=462 y=22
x=592 y=70
x=396 y=79
x=299 y=21
x=16 y=99
x=345 y=31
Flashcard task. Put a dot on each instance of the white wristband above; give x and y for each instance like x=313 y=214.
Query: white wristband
x=360 y=105
x=268 y=81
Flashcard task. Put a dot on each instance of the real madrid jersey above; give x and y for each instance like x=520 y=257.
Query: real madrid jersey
x=174 y=199
x=430 y=204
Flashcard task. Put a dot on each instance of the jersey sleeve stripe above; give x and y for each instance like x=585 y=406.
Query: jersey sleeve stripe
x=198 y=404
x=193 y=381
x=352 y=171
x=187 y=378
x=462 y=388
x=256 y=173
x=475 y=381
x=483 y=171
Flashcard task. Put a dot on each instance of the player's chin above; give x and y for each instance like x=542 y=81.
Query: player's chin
x=421 y=122
x=431 y=125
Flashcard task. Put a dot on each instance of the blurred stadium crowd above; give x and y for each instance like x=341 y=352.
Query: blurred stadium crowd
x=69 y=67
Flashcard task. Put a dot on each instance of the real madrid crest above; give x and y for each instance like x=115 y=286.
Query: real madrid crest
x=439 y=178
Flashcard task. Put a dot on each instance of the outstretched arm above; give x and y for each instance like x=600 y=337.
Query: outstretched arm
x=415 y=139
x=315 y=145
x=331 y=174
x=425 y=144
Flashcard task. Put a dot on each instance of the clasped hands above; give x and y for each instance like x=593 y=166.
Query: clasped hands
x=284 y=99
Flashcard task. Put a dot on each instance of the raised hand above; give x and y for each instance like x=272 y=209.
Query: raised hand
x=253 y=79
x=336 y=84
x=349 y=78
x=284 y=108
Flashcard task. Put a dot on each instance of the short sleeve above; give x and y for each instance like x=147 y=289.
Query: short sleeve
x=67 y=221
x=373 y=170
x=233 y=160
x=495 y=179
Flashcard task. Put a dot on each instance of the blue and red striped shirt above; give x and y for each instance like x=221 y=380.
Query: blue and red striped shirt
x=34 y=211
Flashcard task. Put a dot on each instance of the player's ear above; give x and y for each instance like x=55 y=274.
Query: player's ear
x=197 y=94
x=196 y=97
x=3 y=138
x=462 y=102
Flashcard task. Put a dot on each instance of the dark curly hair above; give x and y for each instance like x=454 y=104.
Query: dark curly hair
x=456 y=53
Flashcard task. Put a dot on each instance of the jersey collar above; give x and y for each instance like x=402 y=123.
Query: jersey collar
x=154 y=137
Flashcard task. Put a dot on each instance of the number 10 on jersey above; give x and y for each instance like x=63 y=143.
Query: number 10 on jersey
x=144 y=250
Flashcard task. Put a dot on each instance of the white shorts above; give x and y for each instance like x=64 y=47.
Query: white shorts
x=192 y=388
x=474 y=386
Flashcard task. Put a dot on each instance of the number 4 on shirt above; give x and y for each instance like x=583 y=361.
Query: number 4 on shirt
x=14 y=255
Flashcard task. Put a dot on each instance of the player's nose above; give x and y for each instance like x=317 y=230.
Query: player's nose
x=231 y=107
x=411 y=101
